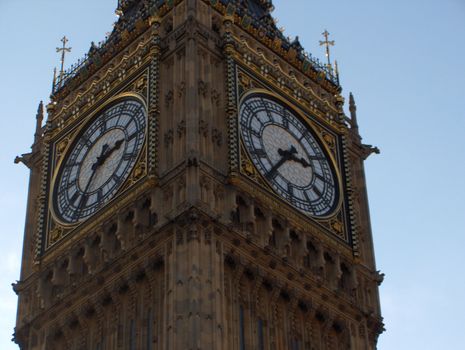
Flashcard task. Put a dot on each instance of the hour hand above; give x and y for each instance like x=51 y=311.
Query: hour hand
x=101 y=157
x=114 y=148
x=106 y=153
x=304 y=162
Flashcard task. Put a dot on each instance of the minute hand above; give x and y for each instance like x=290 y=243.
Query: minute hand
x=104 y=157
x=275 y=168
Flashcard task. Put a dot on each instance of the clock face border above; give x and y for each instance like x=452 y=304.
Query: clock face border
x=74 y=136
x=305 y=119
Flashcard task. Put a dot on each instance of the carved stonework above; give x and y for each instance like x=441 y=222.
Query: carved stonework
x=56 y=233
x=203 y=128
x=169 y=137
x=217 y=137
x=181 y=129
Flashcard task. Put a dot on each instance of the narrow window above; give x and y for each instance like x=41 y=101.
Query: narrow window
x=132 y=336
x=261 y=341
x=295 y=344
x=149 y=329
x=241 y=329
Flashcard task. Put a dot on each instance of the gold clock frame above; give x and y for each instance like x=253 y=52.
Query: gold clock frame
x=306 y=120
x=71 y=143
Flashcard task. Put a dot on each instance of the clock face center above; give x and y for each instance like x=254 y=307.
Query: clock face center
x=275 y=138
x=289 y=154
x=100 y=160
x=106 y=153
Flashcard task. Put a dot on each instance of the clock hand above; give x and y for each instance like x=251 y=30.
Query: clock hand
x=275 y=168
x=86 y=189
x=302 y=161
x=286 y=155
x=106 y=154
x=99 y=162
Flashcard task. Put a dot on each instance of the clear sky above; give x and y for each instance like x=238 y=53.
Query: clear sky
x=404 y=62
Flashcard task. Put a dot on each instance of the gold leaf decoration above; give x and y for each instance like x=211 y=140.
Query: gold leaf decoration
x=248 y=169
x=337 y=226
x=329 y=140
x=56 y=234
x=61 y=147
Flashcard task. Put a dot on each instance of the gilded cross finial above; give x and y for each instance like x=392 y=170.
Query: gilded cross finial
x=327 y=43
x=63 y=51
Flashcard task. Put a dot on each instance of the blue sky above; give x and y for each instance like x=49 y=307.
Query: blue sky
x=403 y=60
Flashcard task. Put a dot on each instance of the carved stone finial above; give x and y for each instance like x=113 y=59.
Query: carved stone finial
x=39 y=119
x=353 y=112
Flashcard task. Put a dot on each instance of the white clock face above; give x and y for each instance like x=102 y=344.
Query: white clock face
x=100 y=160
x=288 y=155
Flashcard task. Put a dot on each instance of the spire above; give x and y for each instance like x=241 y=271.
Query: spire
x=39 y=119
x=336 y=70
x=54 y=84
x=26 y=158
x=353 y=113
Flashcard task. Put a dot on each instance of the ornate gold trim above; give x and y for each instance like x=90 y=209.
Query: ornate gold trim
x=76 y=133
x=255 y=80
x=327 y=150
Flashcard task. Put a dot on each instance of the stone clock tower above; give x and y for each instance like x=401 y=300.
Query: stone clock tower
x=197 y=185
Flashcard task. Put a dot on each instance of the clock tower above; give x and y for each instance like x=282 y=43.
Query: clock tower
x=197 y=185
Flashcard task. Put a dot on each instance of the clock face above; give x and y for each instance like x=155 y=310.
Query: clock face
x=288 y=155
x=99 y=161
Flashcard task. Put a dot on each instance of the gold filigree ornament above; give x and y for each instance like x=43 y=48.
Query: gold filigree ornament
x=139 y=171
x=56 y=233
x=329 y=140
x=61 y=147
x=141 y=84
x=248 y=169
x=245 y=81
x=337 y=226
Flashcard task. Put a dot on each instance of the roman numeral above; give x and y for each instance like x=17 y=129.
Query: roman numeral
x=322 y=178
x=116 y=178
x=99 y=195
x=285 y=122
x=290 y=189
x=74 y=197
x=68 y=185
x=128 y=123
x=72 y=165
x=270 y=115
x=128 y=156
x=130 y=137
x=317 y=191
x=103 y=126
x=85 y=141
x=304 y=134
x=259 y=152
x=84 y=200
x=307 y=197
